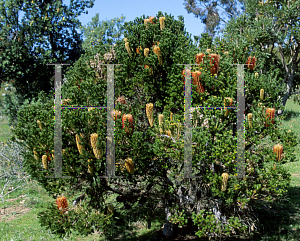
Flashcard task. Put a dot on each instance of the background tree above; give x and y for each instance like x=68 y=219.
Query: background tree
x=46 y=34
x=152 y=179
x=263 y=25
x=106 y=31
x=209 y=14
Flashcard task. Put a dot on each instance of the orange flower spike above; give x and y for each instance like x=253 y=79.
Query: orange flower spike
x=157 y=51
x=151 y=19
x=138 y=50
x=251 y=62
x=196 y=81
x=270 y=113
x=129 y=118
x=147 y=67
x=199 y=58
x=62 y=204
x=214 y=63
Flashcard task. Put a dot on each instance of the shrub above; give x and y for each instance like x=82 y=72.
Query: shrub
x=155 y=180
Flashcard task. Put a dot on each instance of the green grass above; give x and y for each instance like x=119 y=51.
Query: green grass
x=280 y=223
x=4 y=129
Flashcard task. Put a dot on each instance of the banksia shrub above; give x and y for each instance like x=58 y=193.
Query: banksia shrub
x=160 y=122
x=230 y=104
x=45 y=161
x=129 y=165
x=97 y=152
x=79 y=146
x=278 y=150
x=62 y=204
x=250 y=119
x=199 y=58
x=262 y=92
x=130 y=120
x=149 y=113
x=224 y=181
x=270 y=113
x=127 y=47
x=251 y=62
x=162 y=23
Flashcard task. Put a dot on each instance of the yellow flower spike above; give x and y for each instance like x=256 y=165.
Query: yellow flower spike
x=35 y=154
x=250 y=119
x=146 y=22
x=79 y=146
x=160 y=122
x=224 y=181
x=128 y=48
x=278 y=150
x=256 y=75
x=40 y=125
x=129 y=165
x=230 y=103
x=146 y=52
x=171 y=116
x=97 y=152
x=125 y=39
x=262 y=92
x=91 y=167
x=168 y=132
x=149 y=113
x=208 y=50
x=162 y=22
x=45 y=161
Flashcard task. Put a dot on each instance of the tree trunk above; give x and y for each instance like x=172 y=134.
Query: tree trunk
x=287 y=94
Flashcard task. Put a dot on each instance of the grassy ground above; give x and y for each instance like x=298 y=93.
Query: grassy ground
x=18 y=213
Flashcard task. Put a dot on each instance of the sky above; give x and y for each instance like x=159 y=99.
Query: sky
x=130 y=9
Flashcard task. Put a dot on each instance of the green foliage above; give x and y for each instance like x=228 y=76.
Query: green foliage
x=107 y=32
x=208 y=225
